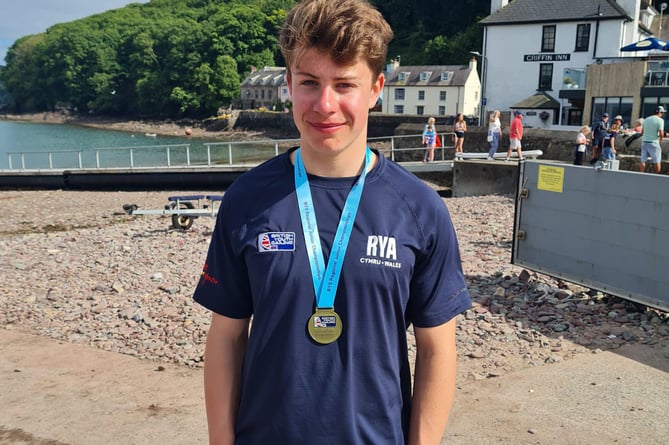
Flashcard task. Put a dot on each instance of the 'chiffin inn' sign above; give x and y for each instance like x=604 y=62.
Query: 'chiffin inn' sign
x=546 y=57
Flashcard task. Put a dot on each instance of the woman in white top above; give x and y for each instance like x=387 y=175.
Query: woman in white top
x=494 y=134
x=581 y=145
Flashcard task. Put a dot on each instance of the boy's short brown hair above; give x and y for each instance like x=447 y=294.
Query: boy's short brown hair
x=344 y=29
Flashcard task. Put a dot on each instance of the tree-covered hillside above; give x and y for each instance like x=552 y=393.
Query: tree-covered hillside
x=176 y=58
x=434 y=31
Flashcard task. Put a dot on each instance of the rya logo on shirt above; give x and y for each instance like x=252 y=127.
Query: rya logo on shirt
x=382 y=251
x=275 y=241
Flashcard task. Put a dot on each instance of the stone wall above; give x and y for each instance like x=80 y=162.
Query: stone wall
x=281 y=125
x=557 y=145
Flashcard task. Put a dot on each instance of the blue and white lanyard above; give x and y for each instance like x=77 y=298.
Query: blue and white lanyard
x=326 y=279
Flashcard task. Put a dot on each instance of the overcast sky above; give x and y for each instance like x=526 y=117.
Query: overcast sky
x=20 y=18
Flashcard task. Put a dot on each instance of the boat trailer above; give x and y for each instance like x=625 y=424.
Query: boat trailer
x=183 y=209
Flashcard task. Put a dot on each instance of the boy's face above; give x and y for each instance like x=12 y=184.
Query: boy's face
x=331 y=102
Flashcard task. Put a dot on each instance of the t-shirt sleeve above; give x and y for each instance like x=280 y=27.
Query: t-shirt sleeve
x=223 y=286
x=438 y=290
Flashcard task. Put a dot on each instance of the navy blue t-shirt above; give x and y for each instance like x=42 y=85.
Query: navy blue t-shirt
x=402 y=266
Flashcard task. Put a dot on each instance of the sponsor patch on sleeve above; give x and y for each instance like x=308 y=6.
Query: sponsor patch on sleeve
x=274 y=241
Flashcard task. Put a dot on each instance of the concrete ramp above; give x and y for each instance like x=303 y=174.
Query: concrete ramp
x=477 y=178
x=529 y=154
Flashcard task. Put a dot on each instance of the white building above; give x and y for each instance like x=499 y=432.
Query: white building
x=536 y=55
x=434 y=90
x=264 y=88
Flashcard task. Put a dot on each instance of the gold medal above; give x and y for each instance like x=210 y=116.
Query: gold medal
x=324 y=326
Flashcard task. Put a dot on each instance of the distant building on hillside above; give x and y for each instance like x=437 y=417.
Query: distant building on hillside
x=264 y=88
x=432 y=90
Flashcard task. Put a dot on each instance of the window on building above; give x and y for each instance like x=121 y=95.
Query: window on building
x=399 y=109
x=420 y=110
x=548 y=39
x=442 y=96
x=399 y=93
x=623 y=106
x=446 y=76
x=403 y=76
x=442 y=110
x=545 y=77
x=425 y=76
x=573 y=78
x=650 y=104
x=421 y=94
x=582 y=37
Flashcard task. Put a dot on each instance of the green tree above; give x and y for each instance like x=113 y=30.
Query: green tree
x=171 y=58
x=21 y=74
x=456 y=49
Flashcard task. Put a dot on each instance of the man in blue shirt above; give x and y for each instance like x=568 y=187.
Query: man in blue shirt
x=599 y=132
x=334 y=251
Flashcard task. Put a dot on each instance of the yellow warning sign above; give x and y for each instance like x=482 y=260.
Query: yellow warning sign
x=550 y=178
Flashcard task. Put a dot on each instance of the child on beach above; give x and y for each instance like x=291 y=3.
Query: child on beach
x=429 y=140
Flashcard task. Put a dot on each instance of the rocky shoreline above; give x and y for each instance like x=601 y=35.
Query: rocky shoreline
x=75 y=267
x=188 y=127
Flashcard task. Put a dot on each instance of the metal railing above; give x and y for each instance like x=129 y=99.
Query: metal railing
x=99 y=158
x=404 y=148
x=214 y=154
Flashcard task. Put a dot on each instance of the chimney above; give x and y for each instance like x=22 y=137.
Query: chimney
x=473 y=63
x=496 y=5
x=394 y=64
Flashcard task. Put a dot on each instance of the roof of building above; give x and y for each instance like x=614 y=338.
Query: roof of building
x=429 y=75
x=268 y=76
x=532 y=11
x=540 y=101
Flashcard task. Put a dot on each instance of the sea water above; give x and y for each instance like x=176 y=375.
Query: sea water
x=41 y=145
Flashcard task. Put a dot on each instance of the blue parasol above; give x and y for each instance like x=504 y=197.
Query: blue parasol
x=647 y=44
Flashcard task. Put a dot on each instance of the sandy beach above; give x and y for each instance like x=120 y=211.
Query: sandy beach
x=77 y=270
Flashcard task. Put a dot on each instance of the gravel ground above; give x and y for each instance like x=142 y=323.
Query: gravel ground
x=75 y=267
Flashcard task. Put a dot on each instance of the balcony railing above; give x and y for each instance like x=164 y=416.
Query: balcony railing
x=657 y=78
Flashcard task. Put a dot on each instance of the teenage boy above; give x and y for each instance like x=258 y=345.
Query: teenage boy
x=334 y=251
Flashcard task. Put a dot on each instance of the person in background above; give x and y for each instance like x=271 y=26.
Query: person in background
x=334 y=251
x=633 y=133
x=599 y=132
x=638 y=126
x=459 y=128
x=609 y=143
x=515 y=135
x=494 y=132
x=653 y=133
x=581 y=145
x=429 y=140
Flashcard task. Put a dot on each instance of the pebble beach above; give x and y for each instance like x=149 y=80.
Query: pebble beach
x=75 y=267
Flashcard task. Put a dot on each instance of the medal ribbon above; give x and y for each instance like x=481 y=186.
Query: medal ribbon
x=325 y=278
